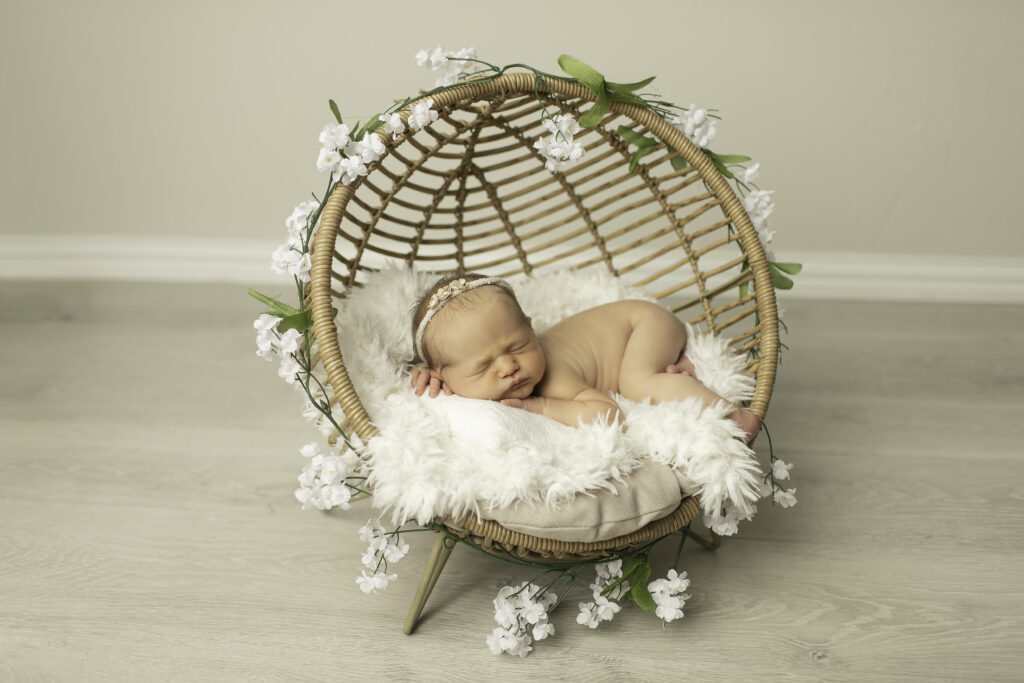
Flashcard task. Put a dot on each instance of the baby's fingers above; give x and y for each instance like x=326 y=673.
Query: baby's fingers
x=418 y=381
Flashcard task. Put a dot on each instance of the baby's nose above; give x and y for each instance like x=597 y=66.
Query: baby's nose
x=507 y=365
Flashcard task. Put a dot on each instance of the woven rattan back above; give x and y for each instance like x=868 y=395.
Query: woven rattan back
x=470 y=193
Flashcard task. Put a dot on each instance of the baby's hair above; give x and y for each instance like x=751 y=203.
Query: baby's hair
x=459 y=303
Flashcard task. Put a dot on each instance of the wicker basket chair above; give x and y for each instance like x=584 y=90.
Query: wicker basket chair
x=470 y=193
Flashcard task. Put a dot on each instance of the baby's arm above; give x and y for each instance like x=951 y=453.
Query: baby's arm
x=585 y=405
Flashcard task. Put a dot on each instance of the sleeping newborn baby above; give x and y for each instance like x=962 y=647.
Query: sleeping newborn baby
x=472 y=339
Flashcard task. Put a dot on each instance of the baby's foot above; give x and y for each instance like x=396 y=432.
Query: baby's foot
x=683 y=366
x=748 y=422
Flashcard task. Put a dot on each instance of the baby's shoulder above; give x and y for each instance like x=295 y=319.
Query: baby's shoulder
x=561 y=381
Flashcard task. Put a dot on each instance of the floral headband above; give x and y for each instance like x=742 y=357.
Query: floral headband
x=448 y=292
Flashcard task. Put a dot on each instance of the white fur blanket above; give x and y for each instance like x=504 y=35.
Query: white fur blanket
x=448 y=456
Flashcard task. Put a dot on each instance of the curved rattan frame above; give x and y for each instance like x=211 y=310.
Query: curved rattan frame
x=493 y=92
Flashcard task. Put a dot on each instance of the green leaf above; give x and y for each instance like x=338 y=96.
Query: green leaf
x=282 y=309
x=639 y=154
x=594 y=115
x=638 y=589
x=743 y=289
x=629 y=87
x=724 y=171
x=583 y=73
x=729 y=158
x=780 y=281
x=372 y=124
x=301 y=321
x=678 y=162
x=791 y=268
x=335 y=110
x=634 y=138
x=718 y=164
x=627 y=98
x=630 y=567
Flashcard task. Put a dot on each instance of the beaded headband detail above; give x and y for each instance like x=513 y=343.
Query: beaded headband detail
x=446 y=293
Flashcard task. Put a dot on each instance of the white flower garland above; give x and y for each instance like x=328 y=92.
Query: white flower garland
x=332 y=479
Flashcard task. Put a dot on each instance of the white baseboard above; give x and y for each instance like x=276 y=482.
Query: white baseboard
x=826 y=275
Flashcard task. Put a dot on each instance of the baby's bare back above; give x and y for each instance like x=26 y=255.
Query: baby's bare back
x=589 y=347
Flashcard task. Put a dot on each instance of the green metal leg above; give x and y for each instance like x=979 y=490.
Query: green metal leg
x=438 y=556
x=709 y=543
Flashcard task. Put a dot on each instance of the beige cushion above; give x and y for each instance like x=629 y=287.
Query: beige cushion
x=650 y=492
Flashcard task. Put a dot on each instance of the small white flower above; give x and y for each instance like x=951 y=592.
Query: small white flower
x=422 y=115
x=453 y=64
x=308 y=496
x=435 y=57
x=350 y=169
x=697 y=125
x=369 y=149
x=747 y=175
x=290 y=341
x=266 y=322
x=289 y=369
x=759 y=206
x=423 y=56
x=375 y=583
x=609 y=570
x=307 y=478
x=542 y=631
x=588 y=615
x=334 y=137
x=499 y=640
x=668 y=612
x=560 y=147
x=371 y=529
x=780 y=470
x=606 y=609
x=300 y=267
x=723 y=526
x=393 y=125
x=296 y=223
x=333 y=470
x=533 y=612
x=668 y=595
x=786 y=499
x=266 y=333
x=396 y=549
x=505 y=614
x=328 y=160
x=336 y=495
x=282 y=258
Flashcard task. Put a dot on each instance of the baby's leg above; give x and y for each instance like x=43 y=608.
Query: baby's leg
x=654 y=344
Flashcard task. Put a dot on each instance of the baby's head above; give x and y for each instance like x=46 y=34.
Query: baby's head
x=470 y=330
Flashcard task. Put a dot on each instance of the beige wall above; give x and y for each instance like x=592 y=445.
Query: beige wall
x=882 y=126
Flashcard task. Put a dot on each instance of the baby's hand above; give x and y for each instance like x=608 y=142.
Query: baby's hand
x=422 y=377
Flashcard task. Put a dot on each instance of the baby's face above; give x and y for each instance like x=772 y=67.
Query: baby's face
x=490 y=351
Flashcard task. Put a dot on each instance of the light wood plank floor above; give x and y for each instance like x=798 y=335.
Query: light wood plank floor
x=148 y=529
